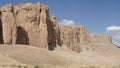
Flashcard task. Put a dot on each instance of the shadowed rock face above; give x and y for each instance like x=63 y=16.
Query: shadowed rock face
x=30 y=24
x=1 y=33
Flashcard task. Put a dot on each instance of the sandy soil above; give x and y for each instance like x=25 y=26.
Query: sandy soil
x=61 y=56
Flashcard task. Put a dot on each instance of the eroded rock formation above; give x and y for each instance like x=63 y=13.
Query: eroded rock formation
x=74 y=37
x=8 y=24
x=30 y=24
x=100 y=38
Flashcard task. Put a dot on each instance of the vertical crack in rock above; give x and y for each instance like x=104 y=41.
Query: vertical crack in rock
x=1 y=30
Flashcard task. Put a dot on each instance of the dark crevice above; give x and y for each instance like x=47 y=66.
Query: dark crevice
x=51 y=36
x=1 y=33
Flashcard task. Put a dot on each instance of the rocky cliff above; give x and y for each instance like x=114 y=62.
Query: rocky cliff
x=30 y=24
x=78 y=38
x=74 y=37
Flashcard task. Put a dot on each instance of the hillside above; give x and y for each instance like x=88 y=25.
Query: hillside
x=31 y=55
x=61 y=56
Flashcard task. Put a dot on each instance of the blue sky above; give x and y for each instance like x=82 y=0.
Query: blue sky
x=96 y=15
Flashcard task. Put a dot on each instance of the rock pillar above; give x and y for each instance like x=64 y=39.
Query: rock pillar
x=8 y=24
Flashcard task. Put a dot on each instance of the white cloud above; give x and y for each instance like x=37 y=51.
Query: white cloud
x=67 y=22
x=114 y=31
x=116 y=36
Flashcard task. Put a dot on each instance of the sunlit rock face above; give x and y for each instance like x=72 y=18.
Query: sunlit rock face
x=74 y=37
x=30 y=24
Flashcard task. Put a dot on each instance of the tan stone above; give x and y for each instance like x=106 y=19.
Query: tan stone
x=77 y=39
x=32 y=21
x=35 y=27
x=74 y=37
x=100 y=38
x=9 y=25
x=43 y=27
x=7 y=8
x=26 y=20
x=56 y=29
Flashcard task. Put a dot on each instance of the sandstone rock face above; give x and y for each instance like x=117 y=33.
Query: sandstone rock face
x=74 y=37
x=8 y=24
x=34 y=21
x=30 y=24
x=78 y=38
x=56 y=29
x=43 y=26
x=26 y=19
x=100 y=42
x=100 y=38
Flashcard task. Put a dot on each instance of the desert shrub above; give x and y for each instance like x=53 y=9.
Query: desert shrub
x=3 y=65
x=25 y=67
x=36 y=66
x=19 y=66
x=13 y=65
x=83 y=67
x=92 y=66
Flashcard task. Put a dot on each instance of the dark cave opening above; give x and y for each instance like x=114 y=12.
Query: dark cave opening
x=22 y=36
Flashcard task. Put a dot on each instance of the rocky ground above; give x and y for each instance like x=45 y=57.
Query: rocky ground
x=19 y=55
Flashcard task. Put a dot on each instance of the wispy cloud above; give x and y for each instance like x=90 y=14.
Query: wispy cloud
x=114 y=31
x=66 y=22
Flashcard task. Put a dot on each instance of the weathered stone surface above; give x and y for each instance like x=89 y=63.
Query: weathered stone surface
x=43 y=26
x=100 y=38
x=56 y=29
x=30 y=24
x=31 y=18
x=74 y=37
x=77 y=39
x=8 y=24
x=25 y=18
x=99 y=42
x=34 y=23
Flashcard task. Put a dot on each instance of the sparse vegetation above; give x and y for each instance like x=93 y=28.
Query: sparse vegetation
x=25 y=67
x=19 y=66
x=66 y=66
x=36 y=66
x=13 y=65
